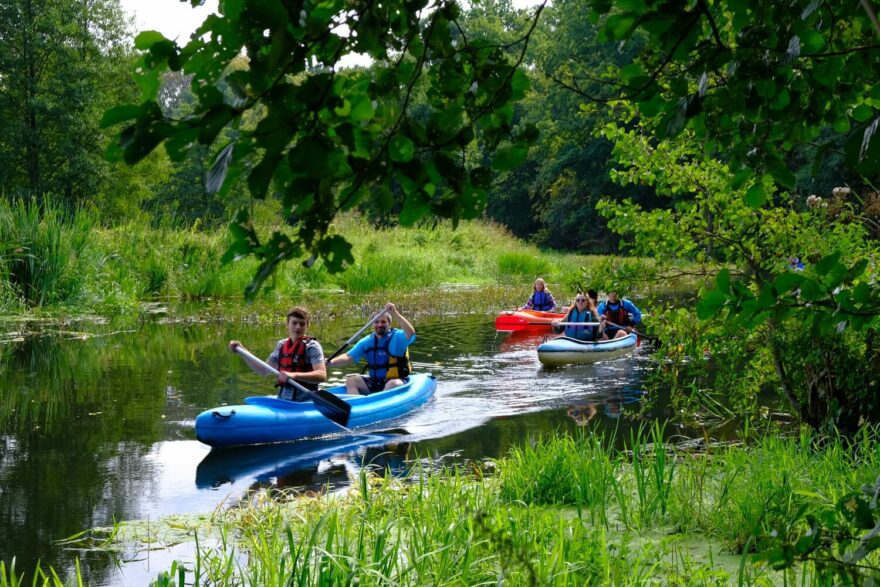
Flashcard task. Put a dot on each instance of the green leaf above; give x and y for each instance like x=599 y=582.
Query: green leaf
x=788 y=281
x=145 y=39
x=414 y=208
x=740 y=178
x=619 y=26
x=519 y=84
x=827 y=263
x=119 y=114
x=722 y=281
x=811 y=42
x=756 y=196
x=401 y=149
x=509 y=158
x=261 y=175
x=862 y=112
x=712 y=302
x=782 y=175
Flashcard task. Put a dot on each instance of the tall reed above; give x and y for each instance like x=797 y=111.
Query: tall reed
x=43 y=247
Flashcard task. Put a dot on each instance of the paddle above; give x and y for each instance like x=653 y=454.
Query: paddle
x=578 y=323
x=330 y=405
x=354 y=336
x=652 y=339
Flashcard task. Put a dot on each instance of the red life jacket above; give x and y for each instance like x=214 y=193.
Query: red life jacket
x=293 y=356
x=619 y=316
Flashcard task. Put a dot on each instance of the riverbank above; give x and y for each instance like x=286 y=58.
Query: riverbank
x=56 y=266
x=562 y=511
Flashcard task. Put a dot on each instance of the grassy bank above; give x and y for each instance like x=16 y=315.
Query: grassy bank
x=561 y=511
x=66 y=262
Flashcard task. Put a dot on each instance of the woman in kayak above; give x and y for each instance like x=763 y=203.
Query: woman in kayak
x=582 y=310
x=541 y=298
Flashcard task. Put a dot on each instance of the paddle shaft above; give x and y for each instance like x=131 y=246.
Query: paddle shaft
x=654 y=339
x=354 y=336
x=578 y=323
x=316 y=397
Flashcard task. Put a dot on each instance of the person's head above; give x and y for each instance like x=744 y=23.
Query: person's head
x=539 y=285
x=581 y=301
x=593 y=295
x=613 y=409
x=297 y=322
x=382 y=323
x=612 y=296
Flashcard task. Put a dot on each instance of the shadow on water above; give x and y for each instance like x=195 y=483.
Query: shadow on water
x=97 y=427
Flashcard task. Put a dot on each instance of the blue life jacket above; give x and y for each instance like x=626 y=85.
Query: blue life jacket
x=382 y=365
x=580 y=332
x=541 y=301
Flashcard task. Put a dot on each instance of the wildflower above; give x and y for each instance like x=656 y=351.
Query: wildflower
x=814 y=201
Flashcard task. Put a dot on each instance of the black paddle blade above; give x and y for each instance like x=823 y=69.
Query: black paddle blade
x=652 y=339
x=331 y=406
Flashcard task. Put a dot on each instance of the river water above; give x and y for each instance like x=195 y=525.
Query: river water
x=96 y=424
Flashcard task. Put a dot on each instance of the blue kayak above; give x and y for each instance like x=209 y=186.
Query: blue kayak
x=263 y=419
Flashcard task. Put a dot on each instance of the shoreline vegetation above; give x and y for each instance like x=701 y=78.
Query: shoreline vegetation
x=52 y=268
x=559 y=511
x=564 y=510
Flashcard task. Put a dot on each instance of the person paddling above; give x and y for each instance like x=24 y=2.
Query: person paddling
x=620 y=312
x=541 y=298
x=386 y=352
x=298 y=357
x=583 y=310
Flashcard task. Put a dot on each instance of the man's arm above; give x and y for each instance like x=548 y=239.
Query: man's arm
x=636 y=313
x=404 y=323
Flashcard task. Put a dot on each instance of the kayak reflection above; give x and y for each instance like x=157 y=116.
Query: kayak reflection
x=301 y=464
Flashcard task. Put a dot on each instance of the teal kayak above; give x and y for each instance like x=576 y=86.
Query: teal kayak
x=263 y=419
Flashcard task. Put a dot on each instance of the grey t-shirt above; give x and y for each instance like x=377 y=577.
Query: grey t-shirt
x=313 y=351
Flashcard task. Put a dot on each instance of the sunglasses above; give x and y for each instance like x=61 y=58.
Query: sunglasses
x=580 y=299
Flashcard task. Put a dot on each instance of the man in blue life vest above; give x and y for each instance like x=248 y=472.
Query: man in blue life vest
x=298 y=357
x=620 y=312
x=385 y=351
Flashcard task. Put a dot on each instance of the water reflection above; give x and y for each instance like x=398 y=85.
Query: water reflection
x=611 y=405
x=282 y=465
x=100 y=428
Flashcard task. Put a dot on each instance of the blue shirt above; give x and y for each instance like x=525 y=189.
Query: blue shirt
x=397 y=346
x=636 y=314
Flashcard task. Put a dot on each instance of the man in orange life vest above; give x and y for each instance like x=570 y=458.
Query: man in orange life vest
x=386 y=352
x=298 y=357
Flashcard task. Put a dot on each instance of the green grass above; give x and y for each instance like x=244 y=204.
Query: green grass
x=43 y=259
x=67 y=262
x=561 y=510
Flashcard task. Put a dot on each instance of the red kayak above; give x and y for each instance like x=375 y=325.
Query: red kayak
x=525 y=320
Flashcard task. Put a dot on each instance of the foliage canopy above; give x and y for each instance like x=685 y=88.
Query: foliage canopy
x=324 y=138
